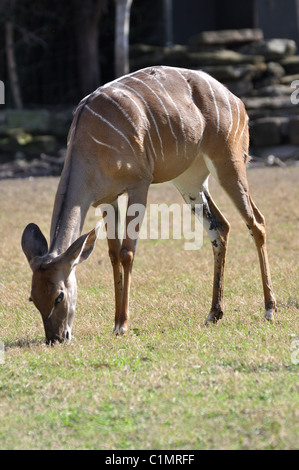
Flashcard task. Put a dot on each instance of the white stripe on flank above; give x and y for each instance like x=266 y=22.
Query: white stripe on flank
x=226 y=94
x=178 y=111
x=112 y=126
x=206 y=79
x=238 y=124
x=202 y=129
x=244 y=126
x=117 y=80
x=123 y=112
x=102 y=143
x=164 y=109
x=144 y=119
x=149 y=110
x=185 y=80
x=191 y=97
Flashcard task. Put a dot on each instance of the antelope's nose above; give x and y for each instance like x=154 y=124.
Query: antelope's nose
x=55 y=339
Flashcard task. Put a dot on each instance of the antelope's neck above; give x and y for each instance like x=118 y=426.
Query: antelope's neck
x=70 y=208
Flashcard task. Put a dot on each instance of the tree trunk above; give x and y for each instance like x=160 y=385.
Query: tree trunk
x=87 y=16
x=11 y=65
x=122 y=28
x=167 y=7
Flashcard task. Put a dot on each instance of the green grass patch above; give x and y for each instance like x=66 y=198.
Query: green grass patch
x=171 y=383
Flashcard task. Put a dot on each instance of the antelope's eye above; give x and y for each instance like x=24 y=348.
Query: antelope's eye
x=59 y=298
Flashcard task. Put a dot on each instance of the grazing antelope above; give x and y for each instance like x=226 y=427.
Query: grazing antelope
x=153 y=125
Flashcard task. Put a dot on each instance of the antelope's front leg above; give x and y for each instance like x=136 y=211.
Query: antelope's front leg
x=114 y=254
x=113 y=238
x=136 y=204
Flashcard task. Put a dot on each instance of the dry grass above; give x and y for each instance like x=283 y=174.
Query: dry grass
x=171 y=383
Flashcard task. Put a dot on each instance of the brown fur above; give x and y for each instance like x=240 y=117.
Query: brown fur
x=155 y=125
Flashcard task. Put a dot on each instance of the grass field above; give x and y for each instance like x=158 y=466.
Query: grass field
x=171 y=383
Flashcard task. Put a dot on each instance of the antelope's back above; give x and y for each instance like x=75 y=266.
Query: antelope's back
x=161 y=115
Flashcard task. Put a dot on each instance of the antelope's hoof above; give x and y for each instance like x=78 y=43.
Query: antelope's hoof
x=214 y=316
x=269 y=315
x=270 y=309
x=120 y=330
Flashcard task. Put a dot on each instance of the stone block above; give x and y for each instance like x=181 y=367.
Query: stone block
x=283 y=152
x=226 y=37
x=225 y=73
x=33 y=121
x=28 y=144
x=291 y=65
x=271 y=49
x=222 y=57
x=268 y=131
x=271 y=75
x=241 y=87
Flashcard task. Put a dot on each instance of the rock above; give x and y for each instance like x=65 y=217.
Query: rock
x=28 y=144
x=273 y=90
x=226 y=37
x=41 y=143
x=32 y=121
x=271 y=76
x=271 y=49
x=144 y=55
x=223 y=57
x=263 y=106
x=283 y=152
x=22 y=168
x=140 y=50
x=291 y=65
x=241 y=87
x=275 y=69
x=289 y=79
x=229 y=72
x=176 y=55
x=268 y=131
x=275 y=161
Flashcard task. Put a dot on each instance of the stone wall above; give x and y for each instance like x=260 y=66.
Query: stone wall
x=260 y=71
x=28 y=133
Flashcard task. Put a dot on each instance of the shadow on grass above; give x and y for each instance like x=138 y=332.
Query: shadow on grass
x=24 y=343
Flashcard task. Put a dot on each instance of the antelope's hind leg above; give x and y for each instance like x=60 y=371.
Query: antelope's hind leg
x=217 y=228
x=232 y=177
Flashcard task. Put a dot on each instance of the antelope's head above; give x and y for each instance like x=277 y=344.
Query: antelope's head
x=54 y=287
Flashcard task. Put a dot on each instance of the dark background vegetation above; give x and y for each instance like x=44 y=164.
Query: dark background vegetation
x=50 y=45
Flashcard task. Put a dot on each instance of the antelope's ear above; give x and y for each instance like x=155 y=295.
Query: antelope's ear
x=81 y=249
x=33 y=242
